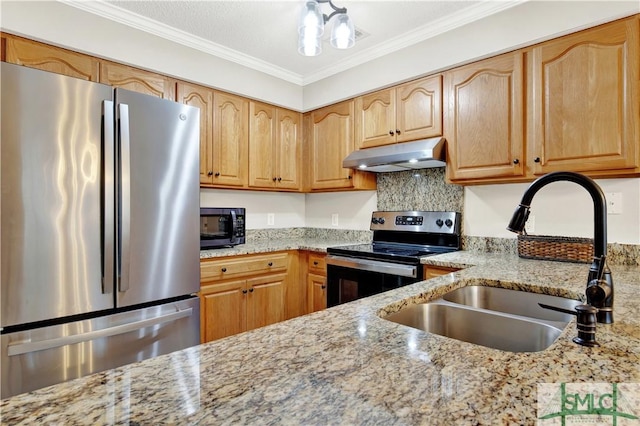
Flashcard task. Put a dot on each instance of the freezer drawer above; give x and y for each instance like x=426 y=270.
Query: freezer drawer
x=41 y=357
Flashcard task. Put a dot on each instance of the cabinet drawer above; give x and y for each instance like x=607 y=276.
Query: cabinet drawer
x=317 y=264
x=237 y=266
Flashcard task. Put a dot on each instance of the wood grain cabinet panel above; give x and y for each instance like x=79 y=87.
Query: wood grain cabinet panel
x=137 y=80
x=223 y=310
x=230 y=141
x=404 y=113
x=585 y=101
x=317 y=288
x=484 y=118
x=49 y=58
x=331 y=139
x=274 y=147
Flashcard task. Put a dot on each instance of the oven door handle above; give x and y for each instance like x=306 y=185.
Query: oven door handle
x=373 y=266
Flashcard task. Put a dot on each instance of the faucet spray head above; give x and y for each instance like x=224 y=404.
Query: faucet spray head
x=519 y=219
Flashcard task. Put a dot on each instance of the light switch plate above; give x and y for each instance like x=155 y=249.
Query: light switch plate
x=271 y=219
x=334 y=219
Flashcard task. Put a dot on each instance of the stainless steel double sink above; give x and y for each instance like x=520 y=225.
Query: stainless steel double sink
x=509 y=320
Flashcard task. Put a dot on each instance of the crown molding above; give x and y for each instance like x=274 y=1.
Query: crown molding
x=133 y=20
x=433 y=29
x=156 y=28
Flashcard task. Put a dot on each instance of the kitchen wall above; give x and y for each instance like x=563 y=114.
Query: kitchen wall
x=293 y=210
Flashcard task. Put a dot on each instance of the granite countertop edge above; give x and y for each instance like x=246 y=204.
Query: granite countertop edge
x=348 y=365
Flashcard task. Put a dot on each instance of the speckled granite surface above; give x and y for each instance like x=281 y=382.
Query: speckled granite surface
x=347 y=365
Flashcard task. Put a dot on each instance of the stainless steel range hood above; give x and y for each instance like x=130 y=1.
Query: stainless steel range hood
x=420 y=154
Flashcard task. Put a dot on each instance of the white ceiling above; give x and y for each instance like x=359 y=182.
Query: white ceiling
x=263 y=34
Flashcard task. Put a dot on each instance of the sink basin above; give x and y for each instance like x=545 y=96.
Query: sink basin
x=513 y=302
x=509 y=320
x=494 y=330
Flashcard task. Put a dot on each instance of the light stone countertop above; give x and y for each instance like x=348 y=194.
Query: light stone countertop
x=347 y=365
x=266 y=246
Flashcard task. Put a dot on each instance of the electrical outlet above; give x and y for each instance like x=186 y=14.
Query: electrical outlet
x=271 y=219
x=614 y=202
x=530 y=224
x=334 y=219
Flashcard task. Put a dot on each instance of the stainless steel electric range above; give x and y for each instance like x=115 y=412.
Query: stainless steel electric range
x=392 y=260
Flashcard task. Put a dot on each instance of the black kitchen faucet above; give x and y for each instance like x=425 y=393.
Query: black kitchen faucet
x=599 y=289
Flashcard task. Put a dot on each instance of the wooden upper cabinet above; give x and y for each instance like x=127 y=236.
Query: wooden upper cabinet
x=375 y=119
x=230 y=140
x=585 y=101
x=330 y=138
x=274 y=147
x=484 y=115
x=201 y=97
x=289 y=148
x=262 y=145
x=48 y=58
x=419 y=109
x=404 y=113
x=137 y=80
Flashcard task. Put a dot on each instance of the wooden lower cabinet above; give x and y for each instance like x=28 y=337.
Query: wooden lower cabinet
x=437 y=271
x=316 y=292
x=240 y=293
x=316 y=282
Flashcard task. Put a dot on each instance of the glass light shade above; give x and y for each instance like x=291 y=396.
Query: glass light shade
x=343 y=35
x=309 y=45
x=311 y=21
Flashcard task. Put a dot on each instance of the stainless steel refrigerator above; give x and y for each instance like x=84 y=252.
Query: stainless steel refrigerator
x=99 y=228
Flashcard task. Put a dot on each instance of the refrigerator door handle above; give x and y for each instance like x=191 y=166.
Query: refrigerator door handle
x=108 y=202
x=125 y=198
x=21 y=348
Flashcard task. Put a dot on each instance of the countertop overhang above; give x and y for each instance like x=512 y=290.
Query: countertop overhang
x=347 y=365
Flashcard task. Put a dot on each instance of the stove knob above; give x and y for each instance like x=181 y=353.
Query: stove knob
x=439 y=222
x=381 y=220
x=448 y=223
x=374 y=220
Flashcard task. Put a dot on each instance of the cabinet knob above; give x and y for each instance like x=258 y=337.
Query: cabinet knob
x=224 y=269
x=516 y=161
x=251 y=290
x=210 y=173
x=217 y=174
x=270 y=263
x=244 y=291
x=323 y=287
x=391 y=132
x=279 y=179
x=536 y=160
x=315 y=262
x=274 y=179
x=397 y=132
x=349 y=177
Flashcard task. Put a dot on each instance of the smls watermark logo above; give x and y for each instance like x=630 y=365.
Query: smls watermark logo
x=615 y=404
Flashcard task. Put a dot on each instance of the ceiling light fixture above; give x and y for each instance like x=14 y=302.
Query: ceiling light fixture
x=311 y=28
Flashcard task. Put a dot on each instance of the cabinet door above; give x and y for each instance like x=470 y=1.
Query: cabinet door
x=419 y=109
x=137 y=80
x=262 y=145
x=288 y=148
x=317 y=291
x=584 y=90
x=223 y=310
x=230 y=140
x=266 y=300
x=48 y=58
x=332 y=141
x=375 y=119
x=202 y=98
x=484 y=118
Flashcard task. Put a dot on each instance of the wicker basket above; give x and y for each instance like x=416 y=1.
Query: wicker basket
x=562 y=249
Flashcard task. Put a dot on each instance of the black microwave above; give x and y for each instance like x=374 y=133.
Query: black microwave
x=221 y=227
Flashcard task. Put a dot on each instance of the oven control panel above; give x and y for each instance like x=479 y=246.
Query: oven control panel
x=416 y=221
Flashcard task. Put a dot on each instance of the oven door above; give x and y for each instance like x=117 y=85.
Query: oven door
x=352 y=278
